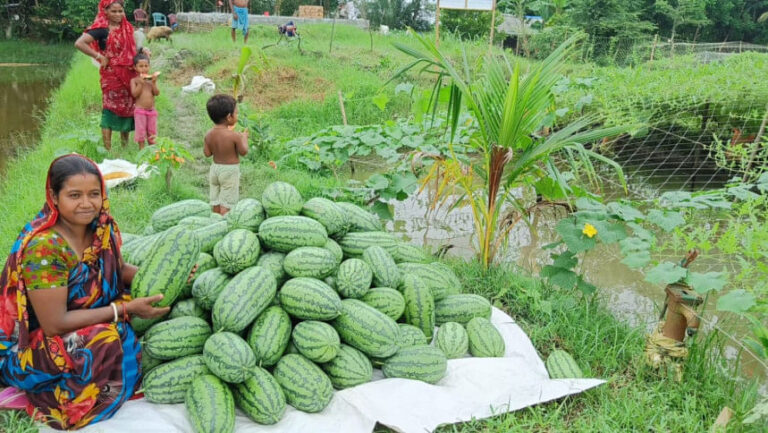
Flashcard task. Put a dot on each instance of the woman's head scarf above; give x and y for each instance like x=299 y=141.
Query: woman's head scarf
x=121 y=46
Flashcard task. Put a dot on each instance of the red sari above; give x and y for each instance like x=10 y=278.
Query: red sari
x=116 y=77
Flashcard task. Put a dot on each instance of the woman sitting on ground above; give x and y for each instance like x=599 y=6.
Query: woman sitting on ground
x=65 y=306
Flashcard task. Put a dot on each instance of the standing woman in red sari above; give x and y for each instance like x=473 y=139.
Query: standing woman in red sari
x=109 y=40
x=67 y=348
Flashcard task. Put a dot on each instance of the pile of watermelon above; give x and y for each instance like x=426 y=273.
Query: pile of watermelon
x=291 y=299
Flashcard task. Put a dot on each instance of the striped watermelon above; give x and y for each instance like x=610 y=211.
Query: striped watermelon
x=461 y=308
x=204 y=263
x=247 y=214
x=243 y=299
x=136 y=251
x=349 y=368
x=411 y=336
x=306 y=387
x=140 y=325
x=367 y=329
x=168 y=216
x=452 y=339
x=286 y=233
x=196 y=221
x=312 y=262
x=238 y=250
x=354 y=244
x=148 y=230
x=177 y=337
x=405 y=252
x=281 y=198
x=208 y=286
x=168 y=383
x=188 y=307
x=211 y=234
x=273 y=261
x=309 y=299
x=210 y=406
x=229 y=357
x=260 y=397
x=387 y=300
x=385 y=272
x=317 y=341
x=448 y=276
x=269 y=336
x=359 y=219
x=425 y=363
x=485 y=341
x=439 y=282
x=167 y=266
x=419 y=305
x=128 y=237
x=327 y=213
x=148 y=363
x=334 y=247
x=353 y=279
x=561 y=365
x=330 y=281
x=216 y=216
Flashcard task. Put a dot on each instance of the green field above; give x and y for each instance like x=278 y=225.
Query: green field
x=296 y=95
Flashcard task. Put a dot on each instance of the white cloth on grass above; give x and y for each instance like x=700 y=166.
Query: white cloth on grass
x=473 y=388
x=199 y=83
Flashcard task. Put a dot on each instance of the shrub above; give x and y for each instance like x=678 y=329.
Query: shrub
x=468 y=24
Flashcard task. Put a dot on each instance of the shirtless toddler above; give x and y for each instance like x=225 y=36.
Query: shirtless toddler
x=226 y=146
x=144 y=89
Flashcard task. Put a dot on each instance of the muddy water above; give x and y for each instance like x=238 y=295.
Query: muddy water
x=24 y=93
x=623 y=290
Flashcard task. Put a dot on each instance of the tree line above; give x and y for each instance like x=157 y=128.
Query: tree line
x=679 y=20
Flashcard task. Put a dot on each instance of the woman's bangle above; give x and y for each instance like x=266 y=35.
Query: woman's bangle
x=125 y=313
x=114 y=309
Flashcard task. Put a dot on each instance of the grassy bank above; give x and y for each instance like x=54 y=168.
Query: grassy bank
x=635 y=397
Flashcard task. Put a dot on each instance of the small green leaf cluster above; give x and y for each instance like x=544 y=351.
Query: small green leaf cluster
x=332 y=148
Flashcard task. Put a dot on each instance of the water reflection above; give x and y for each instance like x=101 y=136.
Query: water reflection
x=24 y=93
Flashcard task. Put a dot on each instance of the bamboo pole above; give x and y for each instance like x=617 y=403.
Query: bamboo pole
x=758 y=138
x=653 y=48
x=437 y=25
x=493 y=24
x=343 y=112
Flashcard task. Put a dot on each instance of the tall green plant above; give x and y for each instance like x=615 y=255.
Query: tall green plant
x=510 y=108
x=243 y=66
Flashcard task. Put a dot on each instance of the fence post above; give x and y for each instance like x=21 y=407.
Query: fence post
x=653 y=48
x=757 y=141
x=740 y=42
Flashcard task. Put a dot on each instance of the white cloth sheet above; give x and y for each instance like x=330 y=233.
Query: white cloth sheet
x=473 y=388
x=199 y=83
x=122 y=166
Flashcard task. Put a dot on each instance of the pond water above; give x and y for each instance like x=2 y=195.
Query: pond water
x=24 y=93
x=623 y=290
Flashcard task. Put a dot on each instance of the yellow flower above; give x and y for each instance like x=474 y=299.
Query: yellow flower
x=589 y=230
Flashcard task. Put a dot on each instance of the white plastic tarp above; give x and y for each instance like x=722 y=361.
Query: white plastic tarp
x=473 y=388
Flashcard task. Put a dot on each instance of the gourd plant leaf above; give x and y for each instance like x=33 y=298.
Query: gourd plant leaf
x=666 y=273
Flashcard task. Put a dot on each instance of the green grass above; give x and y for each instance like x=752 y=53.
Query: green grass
x=635 y=399
x=20 y=51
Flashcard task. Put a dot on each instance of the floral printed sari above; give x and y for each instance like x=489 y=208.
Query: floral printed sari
x=81 y=377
